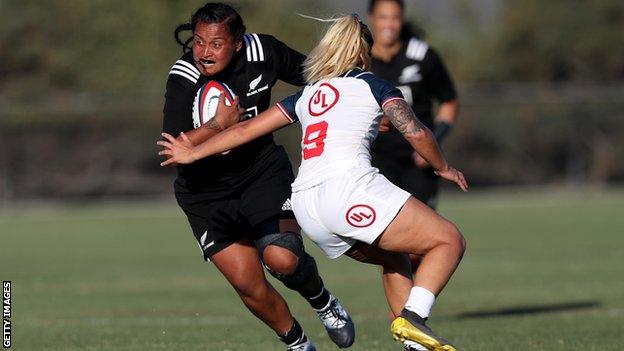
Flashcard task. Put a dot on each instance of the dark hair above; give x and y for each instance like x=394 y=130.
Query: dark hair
x=410 y=30
x=373 y=3
x=407 y=30
x=212 y=12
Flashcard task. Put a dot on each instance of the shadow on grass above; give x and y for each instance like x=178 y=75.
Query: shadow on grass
x=535 y=309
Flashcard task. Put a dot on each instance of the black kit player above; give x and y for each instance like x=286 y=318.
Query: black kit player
x=417 y=70
x=237 y=203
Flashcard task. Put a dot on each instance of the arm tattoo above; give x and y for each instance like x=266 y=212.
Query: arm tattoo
x=213 y=124
x=402 y=116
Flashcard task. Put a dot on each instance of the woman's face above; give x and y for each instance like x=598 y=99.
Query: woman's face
x=387 y=20
x=213 y=47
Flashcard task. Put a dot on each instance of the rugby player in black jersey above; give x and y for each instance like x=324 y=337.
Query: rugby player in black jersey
x=238 y=204
x=417 y=70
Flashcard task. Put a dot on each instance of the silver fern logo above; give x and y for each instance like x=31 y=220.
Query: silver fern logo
x=410 y=74
x=202 y=241
x=254 y=83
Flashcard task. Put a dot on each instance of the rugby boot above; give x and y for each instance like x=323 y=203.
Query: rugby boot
x=410 y=326
x=337 y=322
x=299 y=345
x=409 y=345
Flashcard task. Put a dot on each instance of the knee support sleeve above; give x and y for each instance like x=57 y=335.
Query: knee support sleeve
x=306 y=265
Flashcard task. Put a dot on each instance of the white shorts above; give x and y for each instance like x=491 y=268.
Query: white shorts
x=355 y=206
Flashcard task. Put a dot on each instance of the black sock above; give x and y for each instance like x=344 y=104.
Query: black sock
x=320 y=299
x=295 y=335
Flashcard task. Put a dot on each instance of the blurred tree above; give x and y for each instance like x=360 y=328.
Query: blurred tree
x=84 y=45
x=109 y=45
x=558 y=40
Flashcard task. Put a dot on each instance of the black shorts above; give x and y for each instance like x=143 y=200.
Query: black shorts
x=218 y=221
x=423 y=184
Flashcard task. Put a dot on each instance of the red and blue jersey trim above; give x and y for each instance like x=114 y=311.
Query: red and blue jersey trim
x=284 y=112
x=391 y=99
x=288 y=104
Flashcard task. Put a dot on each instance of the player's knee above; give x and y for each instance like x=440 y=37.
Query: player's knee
x=462 y=241
x=281 y=252
x=305 y=272
x=462 y=244
x=455 y=239
x=284 y=256
x=280 y=260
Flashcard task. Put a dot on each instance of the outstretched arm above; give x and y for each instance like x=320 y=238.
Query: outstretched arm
x=183 y=151
x=422 y=140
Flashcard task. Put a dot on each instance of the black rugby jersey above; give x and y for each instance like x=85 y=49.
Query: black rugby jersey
x=418 y=71
x=253 y=72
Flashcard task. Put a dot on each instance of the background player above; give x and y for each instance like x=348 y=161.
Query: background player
x=338 y=197
x=238 y=204
x=416 y=69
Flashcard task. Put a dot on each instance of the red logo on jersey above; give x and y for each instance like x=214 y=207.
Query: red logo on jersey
x=325 y=97
x=361 y=216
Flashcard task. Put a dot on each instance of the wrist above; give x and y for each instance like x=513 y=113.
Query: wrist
x=193 y=154
x=441 y=130
x=445 y=167
x=214 y=124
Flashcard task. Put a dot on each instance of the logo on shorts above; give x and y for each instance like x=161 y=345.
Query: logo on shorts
x=287 y=206
x=202 y=242
x=361 y=216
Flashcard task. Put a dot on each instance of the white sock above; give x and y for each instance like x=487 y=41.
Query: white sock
x=420 y=300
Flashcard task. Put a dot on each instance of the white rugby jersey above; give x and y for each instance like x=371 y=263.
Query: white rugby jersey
x=339 y=119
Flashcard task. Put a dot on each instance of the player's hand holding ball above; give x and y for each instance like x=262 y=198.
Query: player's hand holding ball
x=183 y=151
x=226 y=114
x=209 y=101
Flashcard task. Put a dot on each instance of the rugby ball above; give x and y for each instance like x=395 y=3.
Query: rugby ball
x=207 y=99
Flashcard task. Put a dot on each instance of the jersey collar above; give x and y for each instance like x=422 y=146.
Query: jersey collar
x=352 y=72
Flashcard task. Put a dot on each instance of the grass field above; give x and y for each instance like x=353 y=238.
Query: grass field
x=543 y=271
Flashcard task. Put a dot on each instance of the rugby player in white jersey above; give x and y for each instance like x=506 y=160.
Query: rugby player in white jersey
x=343 y=203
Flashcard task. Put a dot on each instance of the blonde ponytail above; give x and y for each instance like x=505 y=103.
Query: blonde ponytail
x=345 y=45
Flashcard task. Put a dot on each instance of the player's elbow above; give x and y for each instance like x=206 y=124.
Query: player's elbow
x=419 y=136
x=455 y=106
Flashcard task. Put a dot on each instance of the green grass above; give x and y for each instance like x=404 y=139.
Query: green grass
x=130 y=277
